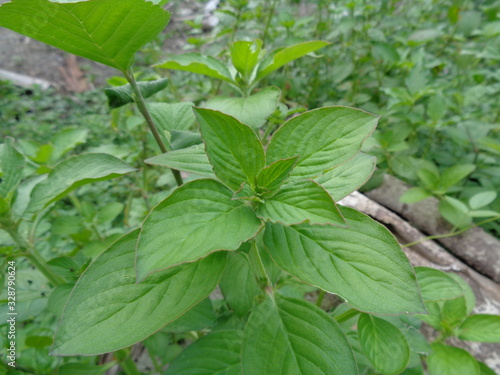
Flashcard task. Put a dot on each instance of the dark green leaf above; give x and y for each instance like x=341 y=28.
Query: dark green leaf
x=184 y=139
x=201 y=218
x=11 y=165
x=78 y=28
x=448 y=360
x=233 y=148
x=123 y=95
x=170 y=116
x=273 y=176
x=364 y=264
x=323 y=138
x=289 y=336
x=107 y=298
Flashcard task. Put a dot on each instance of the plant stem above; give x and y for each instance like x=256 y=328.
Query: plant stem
x=258 y=266
x=141 y=105
x=451 y=234
x=40 y=263
x=321 y=296
x=268 y=21
x=345 y=316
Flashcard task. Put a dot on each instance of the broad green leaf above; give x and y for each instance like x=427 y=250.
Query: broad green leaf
x=415 y=194
x=294 y=337
x=298 y=202
x=363 y=264
x=247 y=193
x=429 y=177
x=470 y=298
x=453 y=311
x=192 y=160
x=217 y=353
x=67 y=140
x=347 y=177
x=283 y=56
x=252 y=110
x=448 y=360
x=123 y=95
x=170 y=116
x=200 y=317
x=436 y=109
x=73 y=173
x=22 y=198
x=11 y=166
x=107 y=299
x=454 y=175
x=197 y=219
x=485 y=370
x=480 y=327
x=184 y=139
x=199 y=64
x=323 y=138
x=78 y=28
x=109 y=212
x=436 y=285
x=238 y=284
x=233 y=148
x=384 y=344
x=79 y=368
x=482 y=199
x=275 y=174
x=245 y=56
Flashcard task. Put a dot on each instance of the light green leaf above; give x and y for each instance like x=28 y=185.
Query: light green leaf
x=191 y=160
x=454 y=175
x=238 y=284
x=11 y=166
x=483 y=213
x=436 y=109
x=448 y=360
x=78 y=28
x=455 y=211
x=199 y=64
x=233 y=148
x=323 y=138
x=347 y=177
x=415 y=194
x=217 y=353
x=109 y=212
x=482 y=199
x=107 y=298
x=73 y=173
x=67 y=140
x=298 y=202
x=283 y=56
x=197 y=219
x=363 y=264
x=436 y=285
x=245 y=56
x=200 y=317
x=480 y=327
x=429 y=177
x=169 y=116
x=384 y=344
x=252 y=110
x=184 y=139
x=470 y=298
x=80 y=368
x=275 y=174
x=123 y=95
x=294 y=337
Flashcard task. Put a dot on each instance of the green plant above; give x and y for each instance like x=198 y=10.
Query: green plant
x=256 y=222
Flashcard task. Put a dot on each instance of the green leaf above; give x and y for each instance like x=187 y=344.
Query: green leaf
x=454 y=175
x=233 y=148
x=289 y=336
x=415 y=194
x=298 y=202
x=79 y=368
x=482 y=199
x=169 y=116
x=238 y=284
x=199 y=64
x=107 y=298
x=67 y=140
x=470 y=298
x=363 y=264
x=73 y=173
x=436 y=285
x=485 y=370
x=252 y=110
x=11 y=164
x=384 y=344
x=455 y=211
x=184 y=139
x=109 y=212
x=347 y=177
x=77 y=28
x=480 y=327
x=283 y=56
x=436 y=109
x=323 y=138
x=275 y=174
x=123 y=95
x=448 y=360
x=200 y=317
x=245 y=56
x=197 y=219
x=429 y=177
x=191 y=160
x=215 y=353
